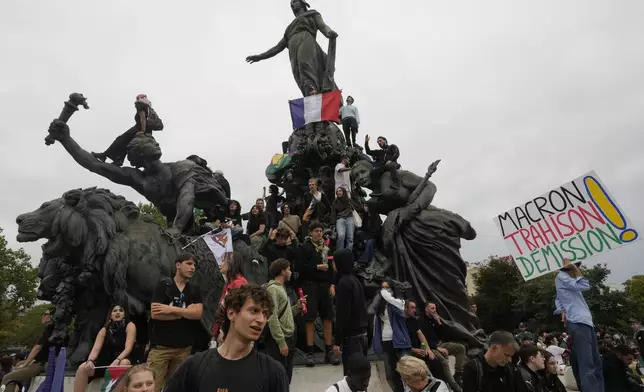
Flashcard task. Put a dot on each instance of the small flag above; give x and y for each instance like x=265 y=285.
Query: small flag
x=112 y=376
x=221 y=244
x=314 y=108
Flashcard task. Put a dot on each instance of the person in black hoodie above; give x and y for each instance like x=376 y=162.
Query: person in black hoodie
x=385 y=159
x=234 y=213
x=351 y=320
x=552 y=383
x=317 y=276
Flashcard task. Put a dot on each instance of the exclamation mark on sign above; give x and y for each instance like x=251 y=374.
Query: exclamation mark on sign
x=609 y=209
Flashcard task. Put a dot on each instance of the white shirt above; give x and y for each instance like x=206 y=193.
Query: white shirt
x=342 y=179
x=557 y=352
x=342 y=386
x=387 y=331
x=350 y=111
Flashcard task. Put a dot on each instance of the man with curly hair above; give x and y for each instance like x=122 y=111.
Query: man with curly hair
x=235 y=365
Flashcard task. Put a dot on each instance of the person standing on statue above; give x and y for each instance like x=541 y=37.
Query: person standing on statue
x=146 y=120
x=312 y=70
x=385 y=159
x=350 y=121
x=343 y=175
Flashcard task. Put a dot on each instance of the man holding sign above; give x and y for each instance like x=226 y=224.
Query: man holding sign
x=576 y=317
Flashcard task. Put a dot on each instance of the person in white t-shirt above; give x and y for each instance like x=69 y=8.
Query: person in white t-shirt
x=343 y=175
x=358 y=375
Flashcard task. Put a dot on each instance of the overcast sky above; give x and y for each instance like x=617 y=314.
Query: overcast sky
x=515 y=97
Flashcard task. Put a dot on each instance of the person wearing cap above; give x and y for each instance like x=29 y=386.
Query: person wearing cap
x=578 y=321
x=37 y=358
x=350 y=121
x=638 y=335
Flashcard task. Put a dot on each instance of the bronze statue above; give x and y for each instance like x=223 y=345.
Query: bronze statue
x=423 y=243
x=312 y=68
x=175 y=188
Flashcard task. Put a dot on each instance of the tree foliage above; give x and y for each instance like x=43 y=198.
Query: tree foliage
x=504 y=299
x=18 y=280
x=635 y=293
x=152 y=210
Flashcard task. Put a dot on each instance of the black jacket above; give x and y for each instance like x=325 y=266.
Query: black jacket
x=528 y=380
x=351 y=312
x=308 y=265
x=430 y=328
x=617 y=376
x=272 y=252
x=321 y=209
x=382 y=155
x=478 y=376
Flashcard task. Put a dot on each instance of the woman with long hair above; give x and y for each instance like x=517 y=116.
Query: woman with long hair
x=234 y=213
x=549 y=374
x=231 y=268
x=342 y=215
x=112 y=347
x=390 y=332
x=290 y=221
x=256 y=226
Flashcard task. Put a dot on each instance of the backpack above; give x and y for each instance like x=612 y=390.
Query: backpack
x=261 y=342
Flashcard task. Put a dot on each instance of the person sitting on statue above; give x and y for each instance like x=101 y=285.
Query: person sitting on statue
x=112 y=347
x=234 y=213
x=36 y=360
x=350 y=118
x=317 y=203
x=146 y=120
x=385 y=159
x=290 y=221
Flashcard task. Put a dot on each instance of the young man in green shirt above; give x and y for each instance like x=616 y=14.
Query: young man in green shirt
x=280 y=341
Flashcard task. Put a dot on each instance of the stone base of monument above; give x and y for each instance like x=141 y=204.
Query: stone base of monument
x=304 y=379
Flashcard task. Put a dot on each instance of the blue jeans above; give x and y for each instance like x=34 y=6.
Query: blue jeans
x=345 y=228
x=369 y=251
x=585 y=360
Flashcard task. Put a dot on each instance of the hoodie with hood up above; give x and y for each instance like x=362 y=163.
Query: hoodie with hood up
x=351 y=314
x=281 y=322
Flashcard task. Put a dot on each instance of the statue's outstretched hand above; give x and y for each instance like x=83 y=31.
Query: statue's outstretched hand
x=432 y=168
x=58 y=130
x=332 y=34
x=253 y=59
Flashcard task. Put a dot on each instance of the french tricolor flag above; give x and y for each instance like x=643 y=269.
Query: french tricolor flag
x=314 y=108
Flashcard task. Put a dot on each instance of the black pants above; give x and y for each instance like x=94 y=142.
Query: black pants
x=350 y=128
x=352 y=345
x=273 y=350
x=391 y=360
x=118 y=149
x=392 y=168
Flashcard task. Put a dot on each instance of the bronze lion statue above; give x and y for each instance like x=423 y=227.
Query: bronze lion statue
x=102 y=250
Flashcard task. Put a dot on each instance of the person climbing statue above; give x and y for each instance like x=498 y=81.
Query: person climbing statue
x=146 y=120
x=385 y=159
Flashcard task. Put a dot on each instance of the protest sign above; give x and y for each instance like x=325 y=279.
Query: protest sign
x=578 y=220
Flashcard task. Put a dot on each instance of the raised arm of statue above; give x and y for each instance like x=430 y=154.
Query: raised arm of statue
x=272 y=52
x=422 y=196
x=124 y=176
x=324 y=28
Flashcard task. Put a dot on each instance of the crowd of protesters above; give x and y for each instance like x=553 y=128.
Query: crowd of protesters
x=313 y=249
